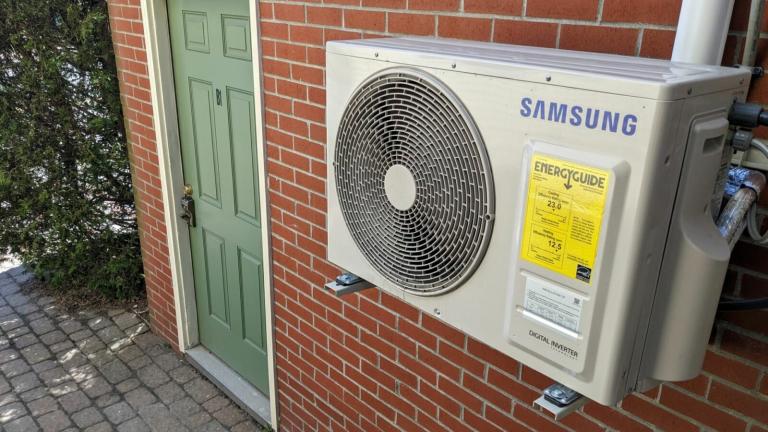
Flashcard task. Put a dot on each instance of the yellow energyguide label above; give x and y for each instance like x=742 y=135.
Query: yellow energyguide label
x=564 y=214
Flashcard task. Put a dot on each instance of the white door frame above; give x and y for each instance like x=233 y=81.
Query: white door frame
x=160 y=65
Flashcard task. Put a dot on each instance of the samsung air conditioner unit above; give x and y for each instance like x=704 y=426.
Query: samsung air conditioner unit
x=552 y=204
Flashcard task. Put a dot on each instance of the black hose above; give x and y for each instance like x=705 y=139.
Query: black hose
x=740 y=305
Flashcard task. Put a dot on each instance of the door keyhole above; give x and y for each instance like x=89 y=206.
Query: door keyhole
x=218 y=97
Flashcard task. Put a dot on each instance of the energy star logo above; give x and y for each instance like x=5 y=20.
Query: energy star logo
x=579 y=116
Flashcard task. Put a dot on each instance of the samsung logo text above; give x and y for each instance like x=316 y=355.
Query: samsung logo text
x=579 y=116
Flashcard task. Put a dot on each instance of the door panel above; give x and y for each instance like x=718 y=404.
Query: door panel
x=214 y=93
x=242 y=138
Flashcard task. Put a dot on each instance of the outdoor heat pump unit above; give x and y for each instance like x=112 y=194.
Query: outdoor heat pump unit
x=555 y=205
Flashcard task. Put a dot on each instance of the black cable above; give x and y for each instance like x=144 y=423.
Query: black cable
x=740 y=305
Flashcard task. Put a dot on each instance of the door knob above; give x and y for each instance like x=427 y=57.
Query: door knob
x=188 y=207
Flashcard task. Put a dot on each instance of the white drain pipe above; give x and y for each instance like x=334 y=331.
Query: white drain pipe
x=702 y=30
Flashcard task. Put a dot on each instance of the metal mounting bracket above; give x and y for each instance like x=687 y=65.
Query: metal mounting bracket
x=557 y=411
x=341 y=290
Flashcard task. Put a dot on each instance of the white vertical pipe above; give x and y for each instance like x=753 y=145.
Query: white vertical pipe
x=702 y=30
x=756 y=11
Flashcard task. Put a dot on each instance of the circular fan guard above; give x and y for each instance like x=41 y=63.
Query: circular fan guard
x=405 y=118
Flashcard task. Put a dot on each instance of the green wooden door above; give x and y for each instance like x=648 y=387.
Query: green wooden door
x=212 y=59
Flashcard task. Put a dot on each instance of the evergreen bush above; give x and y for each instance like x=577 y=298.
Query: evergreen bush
x=66 y=202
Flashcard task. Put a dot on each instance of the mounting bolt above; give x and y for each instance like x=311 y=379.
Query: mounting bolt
x=453 y=65
x=548 y=78
x=437 y=312
x=375 y=54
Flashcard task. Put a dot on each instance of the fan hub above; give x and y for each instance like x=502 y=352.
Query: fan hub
x=400 y=187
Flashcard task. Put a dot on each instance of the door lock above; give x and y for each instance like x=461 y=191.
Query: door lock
x=188 y=207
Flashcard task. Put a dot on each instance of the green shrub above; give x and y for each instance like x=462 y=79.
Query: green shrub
x=66 y=203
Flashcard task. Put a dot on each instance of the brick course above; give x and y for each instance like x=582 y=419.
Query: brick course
x=368 y=361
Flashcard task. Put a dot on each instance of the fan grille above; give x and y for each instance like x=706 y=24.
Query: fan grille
x=406 y=119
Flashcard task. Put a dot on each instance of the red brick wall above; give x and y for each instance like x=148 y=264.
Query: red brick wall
x=128 y=39
x=339 y=361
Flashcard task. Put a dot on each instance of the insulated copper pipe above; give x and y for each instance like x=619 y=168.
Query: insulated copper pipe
x=732 y=220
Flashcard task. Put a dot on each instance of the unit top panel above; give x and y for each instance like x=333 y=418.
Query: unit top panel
x=631 y=76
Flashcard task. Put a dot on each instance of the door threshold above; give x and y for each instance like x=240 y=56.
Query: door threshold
x=233 y=385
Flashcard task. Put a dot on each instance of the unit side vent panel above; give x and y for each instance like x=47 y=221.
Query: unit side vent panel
x=414 y=181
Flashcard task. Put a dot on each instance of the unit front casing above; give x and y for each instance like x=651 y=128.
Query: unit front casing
x=603 y=356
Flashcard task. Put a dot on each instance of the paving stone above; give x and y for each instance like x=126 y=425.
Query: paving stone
x=18 y=332
x=183 y=374
x=110 y=334
x=34 y=394
x=247 y=426
x=168 y=361
x=44 y=366
x=95 y=387
x=87 y=417
x=138 y=329
x=25 y=340
x=120 y=343
x=230 y=416
x=55 y=376
x=42 y=326
x=75 y=401
x=8 y=398
x=6 y=310
x=129 y=353
x=116 y=371
x=81 y=335
x=27 y=309
x=119 y=412
x=71 y=358
x=99 y=323
x=45 y=300
x=200 y=389
x=126 y=320
x=23 y=278
x=147 y=341
x=4 y=385
x=170 y=392
x=11 y=322
x=100 y=427
x=36 y=353
x=53 y=337
x=54 y=421
x=213 y=426
x=106 y=400
x=23 y=424
x=159 y=418
x=17 y=299
x=101 y=357
x=25 y=382
x=14 y=368
x=91 y=345
x=71 y=326
x=135 y=424
x=12 y=411
x=61 y=346
x=216 y=403
x=59 y=374
x=42 y=406
x=62 y=389
x=152 y=376
x=140 y=397
x=128 y=385
x=8 y=355
x=84 y=372
x=139 y=362
x=196 y=420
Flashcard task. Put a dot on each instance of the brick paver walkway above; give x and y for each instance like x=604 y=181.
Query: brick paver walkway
x=97 y=372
